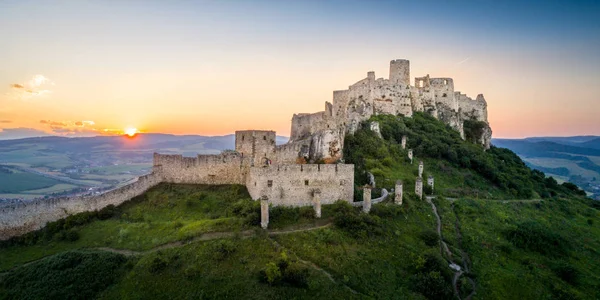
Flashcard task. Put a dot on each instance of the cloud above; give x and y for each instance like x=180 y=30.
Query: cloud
x=84 y=123
x=19 y=133
x=72 y=128
x=54 y=123
x=36 y=86
x=5 y=121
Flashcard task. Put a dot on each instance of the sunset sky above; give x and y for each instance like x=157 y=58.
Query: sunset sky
x=212 y=67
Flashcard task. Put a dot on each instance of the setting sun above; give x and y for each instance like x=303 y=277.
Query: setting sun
x=130 y=131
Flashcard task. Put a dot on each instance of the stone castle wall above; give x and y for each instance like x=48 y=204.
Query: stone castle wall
x=22 y=218
x=225 y=168
x=258 y=145
x=293 y=185
x=291 y=152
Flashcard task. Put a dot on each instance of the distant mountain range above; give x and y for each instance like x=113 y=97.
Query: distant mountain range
x=575 y=159
x=184 y=144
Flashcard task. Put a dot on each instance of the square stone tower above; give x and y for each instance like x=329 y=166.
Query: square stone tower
x=258 y=145
x=400 y=72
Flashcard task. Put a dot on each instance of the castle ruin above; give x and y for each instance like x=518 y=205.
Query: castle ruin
x=319 y=136
x=281 y=175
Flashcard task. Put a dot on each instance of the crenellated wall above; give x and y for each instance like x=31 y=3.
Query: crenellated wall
x=293 y=185
x=25 y=217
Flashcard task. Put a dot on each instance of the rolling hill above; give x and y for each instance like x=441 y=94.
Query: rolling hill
x=513 y=232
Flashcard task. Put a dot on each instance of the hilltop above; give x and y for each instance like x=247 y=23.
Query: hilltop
x=516 y=233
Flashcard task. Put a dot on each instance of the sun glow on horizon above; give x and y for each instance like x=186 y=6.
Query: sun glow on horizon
x=131 y=131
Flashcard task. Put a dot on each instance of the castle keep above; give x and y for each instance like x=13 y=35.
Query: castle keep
x=280 y=175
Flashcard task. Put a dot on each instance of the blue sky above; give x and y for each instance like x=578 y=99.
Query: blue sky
x=211 y=67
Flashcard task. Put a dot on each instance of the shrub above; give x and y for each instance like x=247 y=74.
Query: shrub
x=307 y=212
x=272 y=273
x=296 y=275
x=533 y=236
x=285 y=271
x=157 y=265
x=357 y=224
x=108 y=212
x=247 y=210
x=386 y=211
x=566 y=272
x=432 y=285
x=430 y=237
x=68 y=275
x=223 y=249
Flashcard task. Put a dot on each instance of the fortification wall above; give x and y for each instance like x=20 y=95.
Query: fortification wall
x=304 y=125
x=25 y=217
x=290 y=153
x=443 y=89
x=256 y=144
x=225 y=168
x=293 y=185
x=472 y=109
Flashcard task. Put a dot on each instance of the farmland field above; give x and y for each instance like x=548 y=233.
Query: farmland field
x=17 y=182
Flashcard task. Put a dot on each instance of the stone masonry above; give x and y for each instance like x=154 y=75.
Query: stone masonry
x=319 y=136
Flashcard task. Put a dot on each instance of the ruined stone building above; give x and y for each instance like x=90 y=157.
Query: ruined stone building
x=319 y=136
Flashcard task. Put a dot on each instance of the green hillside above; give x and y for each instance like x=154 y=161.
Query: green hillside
x=515 y=233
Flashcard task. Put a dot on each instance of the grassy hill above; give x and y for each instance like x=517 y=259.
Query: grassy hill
x=516 y=233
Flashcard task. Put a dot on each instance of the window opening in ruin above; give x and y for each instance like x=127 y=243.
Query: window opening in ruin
x=446 y=82
x=305 y=182
x=342 y=182
x=243 y=138
x=264 y=138
x=444 y=95
x=269 y=183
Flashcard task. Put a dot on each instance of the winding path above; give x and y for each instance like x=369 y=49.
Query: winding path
x=204 y=237
x=457 y=269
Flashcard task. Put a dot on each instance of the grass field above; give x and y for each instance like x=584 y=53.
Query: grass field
x=12 y=183
x=387 y=254
x=61 y=187
x=120 y=169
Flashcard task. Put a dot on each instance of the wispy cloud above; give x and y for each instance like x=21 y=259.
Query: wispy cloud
x=84 y=123
x=78 y=128
x=71 y=128
x=5 y=121
x=36 y=86
x=463 y=61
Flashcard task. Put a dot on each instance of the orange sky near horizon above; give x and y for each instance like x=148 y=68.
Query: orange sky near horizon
x=95 y=69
